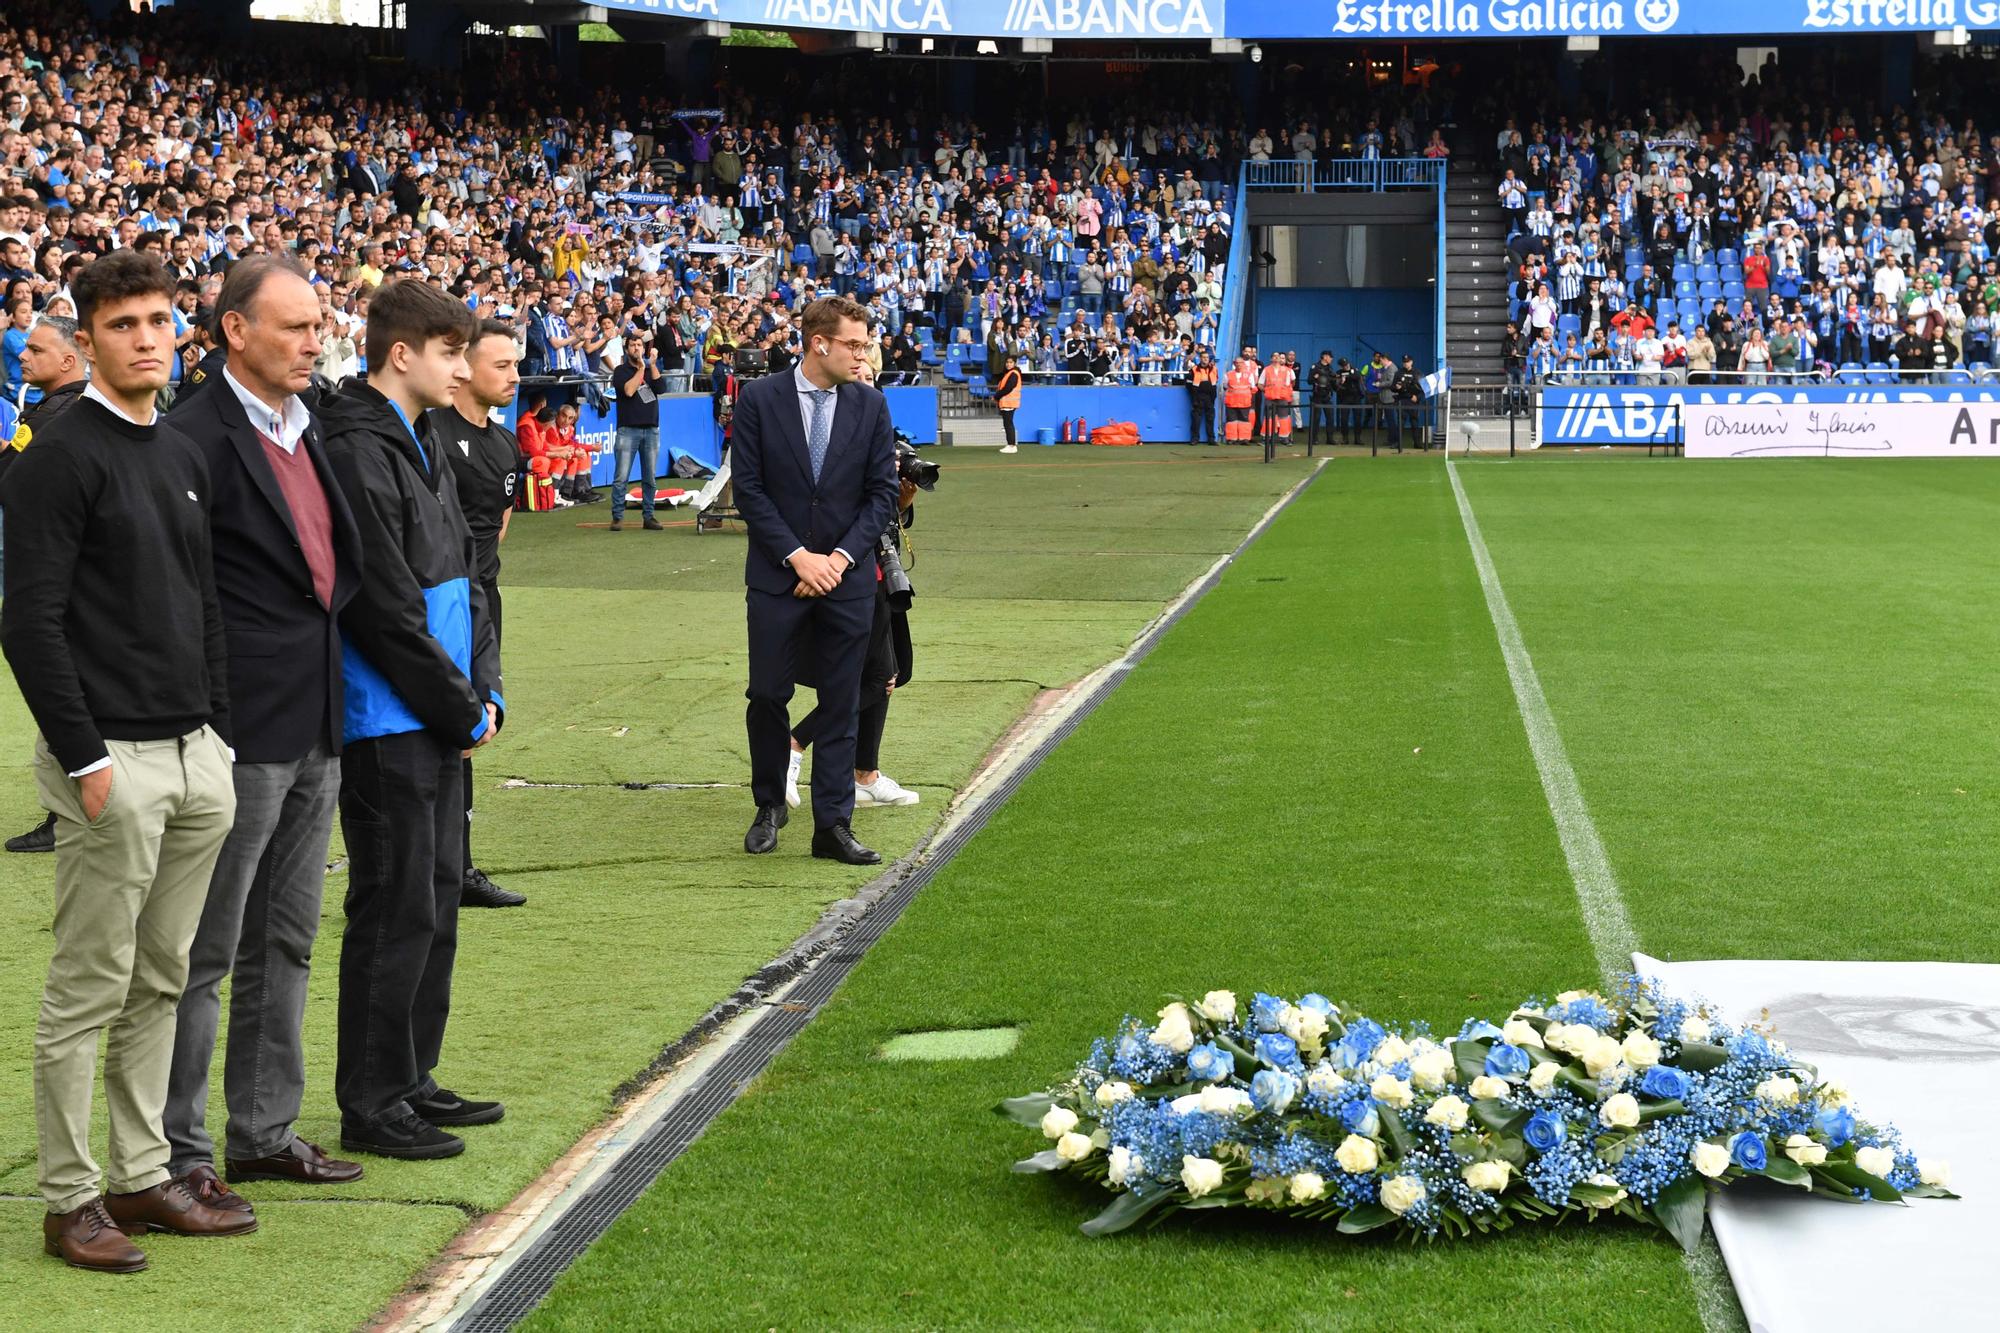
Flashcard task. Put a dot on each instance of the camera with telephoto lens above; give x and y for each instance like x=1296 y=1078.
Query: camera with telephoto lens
x=912 y=467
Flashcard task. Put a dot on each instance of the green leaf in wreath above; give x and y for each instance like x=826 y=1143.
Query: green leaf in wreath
x=1848 y=1176
x=1699 y=1057
x=1126 y=1209
x=1651 y=1111
x=1046 y=1160
x=1027 y=1110
x=1365 y=1217
x=1499 y=1117
x=1471 y=1059
x=1246 y=1061
x=1680 y=1208
x=1786 y=1172
x=1397 y=1133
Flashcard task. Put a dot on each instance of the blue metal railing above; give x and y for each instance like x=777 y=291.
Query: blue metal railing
x=1438 y=278
x=1346 y=173
x=1236 y=288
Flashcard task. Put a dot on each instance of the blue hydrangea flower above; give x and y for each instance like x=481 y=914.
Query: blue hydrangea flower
x=1209 y=1063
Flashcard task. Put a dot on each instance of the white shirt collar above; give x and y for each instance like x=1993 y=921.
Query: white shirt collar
x=284 y=428
x=93 y=392
x=805 y=386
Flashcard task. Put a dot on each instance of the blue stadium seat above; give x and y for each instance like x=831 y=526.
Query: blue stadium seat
x=1728 y=258
x=1706 y=271
x=1732 y=273
x=1683 y=272
x=1732 y=292
x=1567 y=324
x=1708 y=290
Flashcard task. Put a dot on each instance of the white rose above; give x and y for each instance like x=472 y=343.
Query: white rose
x=1449 y=1111
x=1074 y=1147
x=1307 y=1027
x=1175 y=1031
x=1393 y=1050
x=1123 y=1165
x=1325 y=1078
x=1542 y=1078
x=1711 y=1159
x=1201 y=1175
x=1832 y=1092
x=1431 y=1069
x=1391 y=1091
x=1218 y=1100
x=1569 y=995
x=1620 y=1111
x=1186 y=1105
x=1778 y=1091
x=1530 y=1011
x=1599 y=1054
x=1308 y=1186
x=1610 y=1183
x=1402 y=1193
x=1488 y=1177
x=1219 y=1006
x=1934 y=1171
x=1804 y=1151
x=1058 y=1121
x=1577 y=1035
x=1519 y=1033
x=1356 y=1154
x=1877 y=1162
x=1695 y=1028
x=1110 y=1094
x=1641 y=1051
x=1488 y=1086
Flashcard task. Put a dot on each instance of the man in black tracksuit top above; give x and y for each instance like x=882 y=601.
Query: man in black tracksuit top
x=421 y=669
x=1321 y=380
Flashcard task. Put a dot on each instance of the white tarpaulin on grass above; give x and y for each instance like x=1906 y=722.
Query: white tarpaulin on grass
x=1919 y=1046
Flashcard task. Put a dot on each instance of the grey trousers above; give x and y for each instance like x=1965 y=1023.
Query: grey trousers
x=258 y=924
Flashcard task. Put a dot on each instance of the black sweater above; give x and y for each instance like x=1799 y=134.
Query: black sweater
x=110 y=621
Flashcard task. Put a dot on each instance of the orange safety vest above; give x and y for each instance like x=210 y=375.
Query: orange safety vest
x=1009 y=398
x=1202 y=375
x=1278 y=383
x=1237 y=392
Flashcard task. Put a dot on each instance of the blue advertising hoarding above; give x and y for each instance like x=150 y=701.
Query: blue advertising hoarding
x=1621 y=414
x=1267 y=20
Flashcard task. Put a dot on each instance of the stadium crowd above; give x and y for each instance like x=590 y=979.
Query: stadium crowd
x=1755 y=229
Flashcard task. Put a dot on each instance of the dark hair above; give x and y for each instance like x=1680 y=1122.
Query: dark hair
x=118 y=276
x=491 y=328
x=247 y=278
x=413 y=312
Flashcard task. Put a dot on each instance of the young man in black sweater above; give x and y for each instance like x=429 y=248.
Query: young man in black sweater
x=113 y=631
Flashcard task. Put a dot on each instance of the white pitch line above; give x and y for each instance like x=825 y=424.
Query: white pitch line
x=1609 y=925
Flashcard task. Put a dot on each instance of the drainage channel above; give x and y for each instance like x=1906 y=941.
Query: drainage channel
x=527 y=1280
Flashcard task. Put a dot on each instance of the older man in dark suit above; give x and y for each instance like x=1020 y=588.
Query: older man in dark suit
x=287 y=559
x=813 y=460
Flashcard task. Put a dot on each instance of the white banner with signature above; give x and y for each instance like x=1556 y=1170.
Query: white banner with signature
x=1842 y=430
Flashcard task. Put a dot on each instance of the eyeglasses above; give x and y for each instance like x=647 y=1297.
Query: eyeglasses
x=858 y=346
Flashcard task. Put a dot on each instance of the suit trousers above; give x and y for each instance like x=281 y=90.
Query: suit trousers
x=129 y=891
x=257 y=928
x=492 y=591
x=839 y=637
x=402 y=816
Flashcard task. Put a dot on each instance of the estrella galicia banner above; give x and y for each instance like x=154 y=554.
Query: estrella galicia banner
x=1641 y=414
x=1266 y=20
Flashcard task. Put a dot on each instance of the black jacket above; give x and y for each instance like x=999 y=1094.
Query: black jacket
x=420 y=652
x=1322 y=379
x=38 y=415
x=284 y=647
x=850 y=506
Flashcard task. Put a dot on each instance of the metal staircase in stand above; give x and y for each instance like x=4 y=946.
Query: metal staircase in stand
x=1475 y=260
x=967 y=420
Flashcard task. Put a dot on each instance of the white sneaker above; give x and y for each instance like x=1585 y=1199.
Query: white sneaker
x=792 y=779
x=1009 y=449
x=885 y=790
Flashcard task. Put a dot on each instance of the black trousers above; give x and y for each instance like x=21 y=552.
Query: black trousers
x=1317 y=412
x=780 y=628
x=1201 y=418
x=493 y=610
x=873 y=716
x=400 y=816
x=1007 y=423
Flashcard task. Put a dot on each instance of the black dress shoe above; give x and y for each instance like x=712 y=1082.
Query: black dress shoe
x=836 y=842
x=479 y=891
x=763 y=834
x=445 y=1107
x=411 y=1138
x=41 y=838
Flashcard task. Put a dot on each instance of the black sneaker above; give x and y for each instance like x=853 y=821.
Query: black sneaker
x=479 y=891
x=411 y=1138
x=41 y=838
x=445 y=1107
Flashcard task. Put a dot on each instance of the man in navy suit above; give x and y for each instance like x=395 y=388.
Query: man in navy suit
x=813 y=459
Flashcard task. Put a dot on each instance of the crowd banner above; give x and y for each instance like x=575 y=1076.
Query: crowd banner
x=1843 y=430
x=1659 y=414
x=1391 y=19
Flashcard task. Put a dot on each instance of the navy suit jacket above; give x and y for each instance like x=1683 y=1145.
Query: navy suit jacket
x=771 y=472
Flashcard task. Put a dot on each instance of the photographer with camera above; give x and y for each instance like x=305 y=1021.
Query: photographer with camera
x=636 y=387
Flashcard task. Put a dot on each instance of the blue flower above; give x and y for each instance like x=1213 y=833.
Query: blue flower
x=1264 y=1011
x=1747 y=1151
x=1359 y=1117
x=1363 y=1036
x=1666 y=1083
x=1277 y=1050
x=1545 y=1131
x=1837 y=1123
x=1273 y=1090
x=1479 y=1030
x=1318 y=1004
x=1507 y=1061
x=1210 y=1063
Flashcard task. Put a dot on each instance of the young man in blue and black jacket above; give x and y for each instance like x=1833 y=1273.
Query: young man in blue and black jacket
x=421 y=671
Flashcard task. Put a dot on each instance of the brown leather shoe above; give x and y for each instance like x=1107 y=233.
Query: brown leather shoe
x=86 y=1237
x=172 y=1208
x=298 y=1161
x=207 y=1187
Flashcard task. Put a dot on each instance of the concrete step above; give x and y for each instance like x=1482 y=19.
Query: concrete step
x=977 y=432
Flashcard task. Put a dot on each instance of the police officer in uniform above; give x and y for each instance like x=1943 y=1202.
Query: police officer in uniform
x=1348 y=399
x=485 y=461
x=1320 y=382
x=1409 y=393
